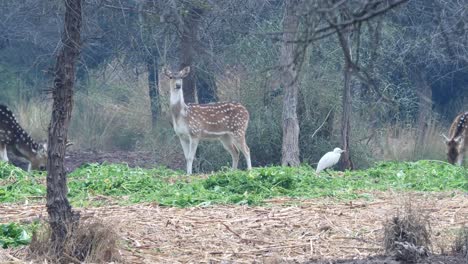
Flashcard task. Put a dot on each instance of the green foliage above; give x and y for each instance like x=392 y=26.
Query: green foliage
x=13 y=235
x=166 y=187
x=117 y=180
x=18 y=185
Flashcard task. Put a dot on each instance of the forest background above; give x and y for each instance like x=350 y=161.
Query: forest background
x=385 y=87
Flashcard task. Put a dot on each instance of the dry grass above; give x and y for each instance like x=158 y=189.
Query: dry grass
x=34 y=117
x=92 y=241
x=460 y=245
x=408 y=235
x=399 y=143
x=280 y=231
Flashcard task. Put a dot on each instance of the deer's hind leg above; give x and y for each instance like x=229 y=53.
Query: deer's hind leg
x=242 y=145
x=232 y=149
x=3 y=152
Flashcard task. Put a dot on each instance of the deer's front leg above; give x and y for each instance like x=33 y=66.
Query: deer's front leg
x=3 y=153
x=185 y=146
x=192 y=150
x=460 y=158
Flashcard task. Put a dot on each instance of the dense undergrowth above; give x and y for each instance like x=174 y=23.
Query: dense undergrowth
x=89 y=184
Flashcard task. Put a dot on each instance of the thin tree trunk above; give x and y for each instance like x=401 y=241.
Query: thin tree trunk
x=61 y=216
x=150 y=56
x=188 y=40
x=290 y=149
x=153 y=80
x=346 y=162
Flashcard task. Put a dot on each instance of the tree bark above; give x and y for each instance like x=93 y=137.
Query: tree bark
x=61 y=216
x=346 y=162
x=150 y=56
x=187 y=43
x=153 y=81
x=290 y=149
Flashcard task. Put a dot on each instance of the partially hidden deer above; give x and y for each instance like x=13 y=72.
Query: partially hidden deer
x=457 y=139
x=13 y=137
x=223 y=121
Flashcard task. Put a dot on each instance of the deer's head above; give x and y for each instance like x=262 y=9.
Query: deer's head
x=39 y=160
x=453 y=148
x=175 y=79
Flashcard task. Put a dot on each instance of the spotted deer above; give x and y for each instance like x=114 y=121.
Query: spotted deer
x=223 y=121
x=13 y=137
x=457 y=140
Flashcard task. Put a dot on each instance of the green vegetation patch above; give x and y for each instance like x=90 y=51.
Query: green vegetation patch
x=171 y=188
x=19 y=185
x=13 y=235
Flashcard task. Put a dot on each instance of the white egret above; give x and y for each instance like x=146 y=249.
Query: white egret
x=329 y=159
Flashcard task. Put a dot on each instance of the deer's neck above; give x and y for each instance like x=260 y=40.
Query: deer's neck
x=177 y=104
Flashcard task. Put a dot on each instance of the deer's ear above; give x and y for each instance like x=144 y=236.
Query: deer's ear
x=167 y=72
x=184 y=72
x=446 y=139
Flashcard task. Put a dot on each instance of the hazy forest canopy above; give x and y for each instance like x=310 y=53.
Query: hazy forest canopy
x=415 y=57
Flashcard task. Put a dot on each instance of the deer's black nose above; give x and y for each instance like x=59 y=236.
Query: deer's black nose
x=178 y=86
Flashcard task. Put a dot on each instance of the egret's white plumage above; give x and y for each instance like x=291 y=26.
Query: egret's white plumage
x=329 y=159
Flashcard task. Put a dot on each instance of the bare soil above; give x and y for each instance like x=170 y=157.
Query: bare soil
x=283 y=231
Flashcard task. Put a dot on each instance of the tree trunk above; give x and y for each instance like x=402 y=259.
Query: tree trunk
x=424 y=92
x=61 y=216
x=150 y=56
x=188 y=41
x=346 y=162
x=153 y=81
x=290 y=149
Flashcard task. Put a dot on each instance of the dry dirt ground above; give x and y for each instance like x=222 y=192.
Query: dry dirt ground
x=283 y=231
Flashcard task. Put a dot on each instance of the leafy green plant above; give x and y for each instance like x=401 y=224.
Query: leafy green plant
x=125 y=185
x=12 y=235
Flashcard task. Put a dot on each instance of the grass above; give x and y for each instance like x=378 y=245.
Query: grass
x=167 y=187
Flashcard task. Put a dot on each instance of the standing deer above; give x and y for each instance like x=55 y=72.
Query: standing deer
x=226 y=122
x=13 y=137
x=458 y=139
